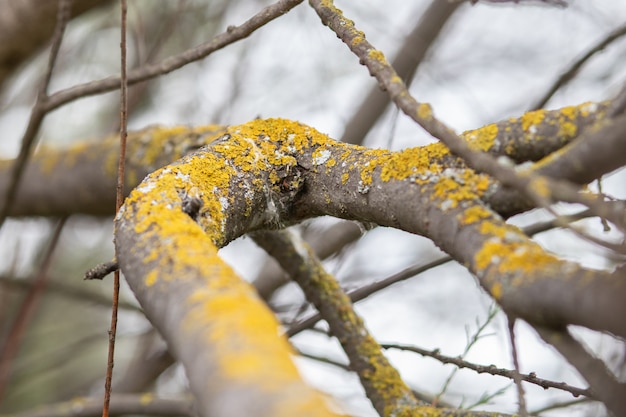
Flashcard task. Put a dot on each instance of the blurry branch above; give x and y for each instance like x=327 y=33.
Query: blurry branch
x=37 y=113
x=560 y=405
x=121 y=404
x=571 y=72
x=82 y=179
x=603 y=384
x=47 y=103
x=490 y=369
x=149 y=361
x=27 y=309
x=27 y=25
x=232 y=35
x=382 y=383
x=408 y=58
x=68 y=291
x=541 y=190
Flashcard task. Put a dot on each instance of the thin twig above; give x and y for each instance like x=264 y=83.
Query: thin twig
x=568 y=75
x=27 y=309
x=38 y=113
x=517 y=376
x=231 y=35
x=490 y=369
x=119 y=198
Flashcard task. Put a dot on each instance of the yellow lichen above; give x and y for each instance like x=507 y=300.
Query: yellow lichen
x=377 y=55
x=424 y=111
x=474 y=214
x=482 y=139
x=496 y=290
x=532 y=118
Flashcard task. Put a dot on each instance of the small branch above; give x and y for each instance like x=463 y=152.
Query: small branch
x=604 y=386
x=231 y=35
x=101 y=270
x=569 y=74
x=38 y=112
x=517 y=376
x=382 y=383
x=491 y=369
x=27 y=309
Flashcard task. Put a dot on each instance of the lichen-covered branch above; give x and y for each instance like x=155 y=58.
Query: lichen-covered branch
x=382 y=383
x=541 y=190
x=81 y=180
x=271 y=173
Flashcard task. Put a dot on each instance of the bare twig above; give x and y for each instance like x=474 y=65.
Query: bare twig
x=517 y=376
x=119 y=197
x=231 y=35
x=39 y=111
x=27 y=309
x=569 y=74
x=490 y=369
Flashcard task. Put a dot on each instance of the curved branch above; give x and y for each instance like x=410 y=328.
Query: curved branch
x=270 y=173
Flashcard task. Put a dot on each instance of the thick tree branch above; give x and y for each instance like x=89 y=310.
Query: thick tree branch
x=271 y=173
x=82 y=179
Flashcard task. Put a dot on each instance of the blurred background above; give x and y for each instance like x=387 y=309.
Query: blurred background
x=490 y=62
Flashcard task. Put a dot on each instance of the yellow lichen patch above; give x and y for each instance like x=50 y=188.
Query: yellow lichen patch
x=496 y=290
x=532 y=118
x=482 y=139
x=377 y=55
x=456 y=187
x=412 y=162
x=151 y=278
x=424 y=111
x=511 y=253
x=474 y=214
x=541 y=187
x=568 y=129
x=344 y=178
x=245 y=337
x=357 y=40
